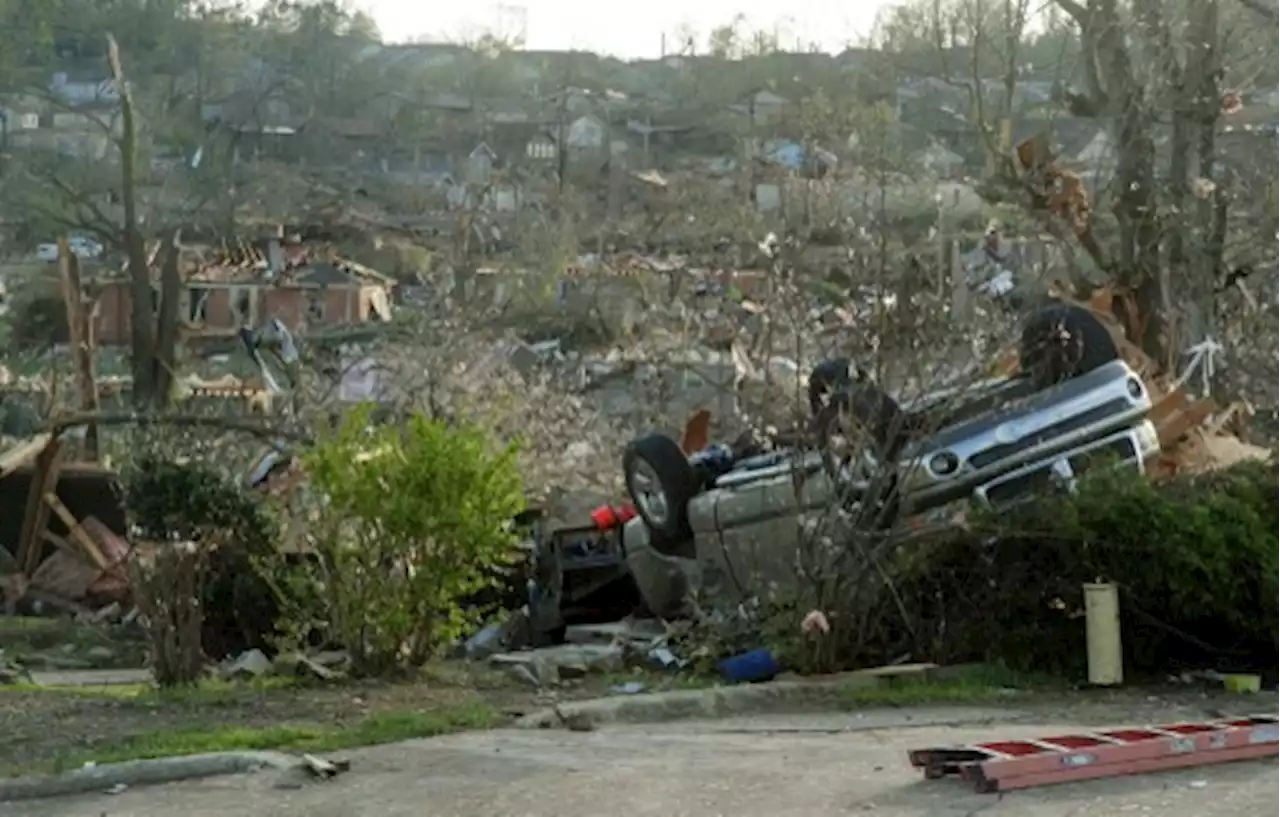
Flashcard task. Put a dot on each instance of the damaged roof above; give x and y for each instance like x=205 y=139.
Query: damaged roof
x=251 y=263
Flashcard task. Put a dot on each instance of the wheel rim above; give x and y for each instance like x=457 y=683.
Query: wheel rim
x=646 y=488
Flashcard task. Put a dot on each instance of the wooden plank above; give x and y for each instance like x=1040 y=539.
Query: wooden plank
x=43 y=480
x=80 y=337
x=1174 y=425
x=60 y=543
x=22 y=454
x=78 y=533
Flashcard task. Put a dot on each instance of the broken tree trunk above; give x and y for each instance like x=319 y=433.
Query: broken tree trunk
x=166 y=349
x=80 y=336
x=142 y=313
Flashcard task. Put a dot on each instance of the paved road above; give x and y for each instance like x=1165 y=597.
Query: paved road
x=793 y=766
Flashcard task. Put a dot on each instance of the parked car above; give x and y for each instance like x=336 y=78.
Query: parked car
x=1074 y=406
x=83 y=247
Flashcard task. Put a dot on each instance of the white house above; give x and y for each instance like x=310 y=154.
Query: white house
x=79 y=92
x=480 y=164
x=586 y=133
x=15 y=120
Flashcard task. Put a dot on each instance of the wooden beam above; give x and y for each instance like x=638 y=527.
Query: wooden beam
x=80 y=336
x=23 y=453
x=60 y=543
x=43 y=480
x=77 y=531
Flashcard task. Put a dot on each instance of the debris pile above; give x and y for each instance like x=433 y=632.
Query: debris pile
x=326 y=665
x=594 y=649
x=1196 y=432
x=56 y=560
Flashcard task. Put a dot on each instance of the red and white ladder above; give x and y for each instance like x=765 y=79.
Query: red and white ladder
x=1004 y=765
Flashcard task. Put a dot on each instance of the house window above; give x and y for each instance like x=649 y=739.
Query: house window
x=540 y=149
x=242 y=306
x=197 y=304
x=315 y=307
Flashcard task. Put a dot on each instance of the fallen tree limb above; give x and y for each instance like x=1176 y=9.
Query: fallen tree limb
x=270 y=433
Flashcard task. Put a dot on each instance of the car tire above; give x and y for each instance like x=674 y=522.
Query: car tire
x=1063 y=341
x=827 y=377
x=873 y=409
x=660 y=482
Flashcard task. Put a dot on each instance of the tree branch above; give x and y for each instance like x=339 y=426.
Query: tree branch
x=1260 y=8
x=254 y=428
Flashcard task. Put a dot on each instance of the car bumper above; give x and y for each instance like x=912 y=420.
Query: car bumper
x=1129 y=448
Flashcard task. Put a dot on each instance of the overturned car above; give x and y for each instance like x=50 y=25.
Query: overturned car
x=713 y=517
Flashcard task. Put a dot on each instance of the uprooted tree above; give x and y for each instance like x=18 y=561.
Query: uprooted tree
x=1163 y=81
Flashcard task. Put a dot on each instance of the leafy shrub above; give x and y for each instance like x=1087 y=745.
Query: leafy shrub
x=169 y=501
x=1195 y=561
x=407 y=522
x=1194 y=558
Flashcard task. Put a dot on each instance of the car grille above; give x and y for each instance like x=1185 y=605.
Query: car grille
x=1094 y=415
x=1041 y=480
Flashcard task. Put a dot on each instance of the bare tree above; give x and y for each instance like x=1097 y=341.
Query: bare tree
x=1153 y=76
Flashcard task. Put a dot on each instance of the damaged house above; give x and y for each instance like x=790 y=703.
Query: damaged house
x=306 y=289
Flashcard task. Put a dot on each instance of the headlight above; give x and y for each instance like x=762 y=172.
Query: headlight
x=1148 y=438
x=944 y=464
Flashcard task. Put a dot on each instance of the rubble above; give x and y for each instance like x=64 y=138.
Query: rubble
x=592 y=649
x=1194 y=432
x=550 y=665
x=246 y=666
x=327 y=665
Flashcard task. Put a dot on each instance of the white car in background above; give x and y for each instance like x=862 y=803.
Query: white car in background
x=82 y=246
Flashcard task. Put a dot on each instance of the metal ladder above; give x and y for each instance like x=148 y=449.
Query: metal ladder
x=1004 y=765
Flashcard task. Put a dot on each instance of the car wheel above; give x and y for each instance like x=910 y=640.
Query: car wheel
x=661 y=482
x=866 y=411
x=827 y=377
x=1064 y=341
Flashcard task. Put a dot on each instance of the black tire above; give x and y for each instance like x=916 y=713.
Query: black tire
x=827 y=377
x=1064 y=341
x=871 y=408
x=677 y=482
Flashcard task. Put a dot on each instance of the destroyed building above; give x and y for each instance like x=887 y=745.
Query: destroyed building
x=306 y=288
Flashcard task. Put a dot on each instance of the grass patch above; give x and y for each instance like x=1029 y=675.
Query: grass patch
x=981 y=683
x=385 y=727
x=210 y=692
x=60 y=643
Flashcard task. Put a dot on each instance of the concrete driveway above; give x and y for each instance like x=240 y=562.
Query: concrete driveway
x=806 y=766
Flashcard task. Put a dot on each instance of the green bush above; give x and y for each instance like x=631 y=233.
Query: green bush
x=407 y=521
x=168 y=500
x=1195 y=560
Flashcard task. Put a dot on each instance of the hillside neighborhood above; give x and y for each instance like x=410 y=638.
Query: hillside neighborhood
x=357 y=391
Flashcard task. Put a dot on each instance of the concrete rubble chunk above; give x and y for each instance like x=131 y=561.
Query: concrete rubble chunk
x=333 y=659
x=564 y=661
x=302 y=666
x=249 y=664
x=640 y=630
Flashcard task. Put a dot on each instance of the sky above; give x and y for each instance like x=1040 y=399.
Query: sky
x=623 y=29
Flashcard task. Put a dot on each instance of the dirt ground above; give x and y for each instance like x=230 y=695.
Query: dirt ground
x=817 y=765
